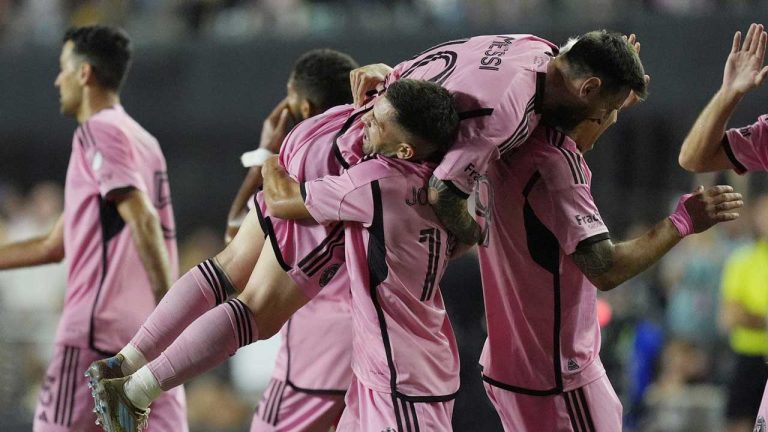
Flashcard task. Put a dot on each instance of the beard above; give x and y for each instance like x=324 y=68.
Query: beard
x=564 y=117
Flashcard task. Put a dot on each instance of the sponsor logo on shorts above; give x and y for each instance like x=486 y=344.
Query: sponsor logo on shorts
x=760 y=425
x=389 y=429
x=328 y=274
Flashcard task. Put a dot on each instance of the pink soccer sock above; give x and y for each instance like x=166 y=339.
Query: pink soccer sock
x=207 y=342
x=199 y=290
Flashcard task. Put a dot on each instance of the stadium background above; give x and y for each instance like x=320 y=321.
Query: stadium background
x=205 y=74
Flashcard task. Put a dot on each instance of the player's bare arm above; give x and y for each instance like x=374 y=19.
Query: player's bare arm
x=282 y=194
x=365 y=79
x=609 y=264
x=452 y=211
x=139 y=214
x=40 y=250
x=273 y=131
x=744 y=71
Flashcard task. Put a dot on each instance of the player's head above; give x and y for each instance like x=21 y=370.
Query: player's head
x=319 y=80
x=94 y=56
x=414 y=120
x=593 y=75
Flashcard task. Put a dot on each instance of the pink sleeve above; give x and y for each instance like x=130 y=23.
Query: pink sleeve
x=339 y=198
x=746 y=146
x=576 y=217
x=111 y=158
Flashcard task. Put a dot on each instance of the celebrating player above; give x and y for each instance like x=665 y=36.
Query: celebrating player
x=710 y=147
x=413 y=121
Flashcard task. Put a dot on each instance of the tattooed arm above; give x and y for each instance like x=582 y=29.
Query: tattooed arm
x=452 y=211
x=608 y=265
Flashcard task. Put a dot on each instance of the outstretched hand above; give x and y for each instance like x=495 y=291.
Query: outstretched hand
x=365 y=79
x=700 y=210
x=744 y=68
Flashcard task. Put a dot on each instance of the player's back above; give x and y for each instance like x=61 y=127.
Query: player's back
x=542 y=327
x=497 y=82
x=109 y=294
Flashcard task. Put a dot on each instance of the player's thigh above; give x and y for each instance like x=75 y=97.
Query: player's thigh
x=594 y=407
x=241 y=254
x=271 y=295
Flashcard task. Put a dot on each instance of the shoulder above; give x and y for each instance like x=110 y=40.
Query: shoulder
x=561 y=166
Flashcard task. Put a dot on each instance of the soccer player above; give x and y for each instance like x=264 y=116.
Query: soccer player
x=318 y=337
x=117 y=232
x=413 y=121
x=710 y=147
x=548 y=253
x=505 y=85
x=318 y=81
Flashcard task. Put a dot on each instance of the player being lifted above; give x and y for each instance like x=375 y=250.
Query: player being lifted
x=397 y=331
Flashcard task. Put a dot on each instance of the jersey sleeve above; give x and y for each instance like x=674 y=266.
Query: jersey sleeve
x=576 y=216
x=347 y=197
x=112 y=159
x=747 y=148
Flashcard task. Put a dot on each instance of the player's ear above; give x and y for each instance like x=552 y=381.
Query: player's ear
x=405 y=151
x=590 y=87
x=86 y=74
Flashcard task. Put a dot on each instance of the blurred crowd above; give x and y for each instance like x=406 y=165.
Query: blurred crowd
x=43 y=21
x=665 y=345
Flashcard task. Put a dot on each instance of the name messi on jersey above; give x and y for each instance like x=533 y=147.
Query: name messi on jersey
x=492 y=59
x=588 y=219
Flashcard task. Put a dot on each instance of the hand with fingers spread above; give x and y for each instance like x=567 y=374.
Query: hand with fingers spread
x=366 y=79
x=633 y=98
x=698 y=211
x=744 y=68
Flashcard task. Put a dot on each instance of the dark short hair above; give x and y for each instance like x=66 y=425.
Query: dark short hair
x=322 y=76
x=611 y=58
x=106 y=49
x=426 y=111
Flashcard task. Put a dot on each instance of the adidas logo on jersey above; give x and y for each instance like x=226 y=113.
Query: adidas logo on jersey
x=572 y=365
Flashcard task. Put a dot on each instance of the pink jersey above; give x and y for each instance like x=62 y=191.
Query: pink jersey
x=747 y=147
x=543 y=336
x=497 y=82
x=315 y=354
x=396 y=254
x=108 y=291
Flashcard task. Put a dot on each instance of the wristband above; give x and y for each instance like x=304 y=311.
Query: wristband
x=256 y=157
x=681 y=219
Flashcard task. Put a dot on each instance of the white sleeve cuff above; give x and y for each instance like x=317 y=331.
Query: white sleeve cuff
x=255 y=158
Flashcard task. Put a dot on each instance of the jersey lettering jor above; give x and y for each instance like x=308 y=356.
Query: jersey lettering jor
x=543 y=336
x=108 y=291
x=747 y=147
x=396 y=252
